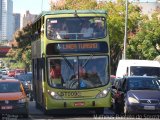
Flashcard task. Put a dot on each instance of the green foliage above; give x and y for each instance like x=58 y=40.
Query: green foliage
x=145 y=43
x=22 y=54
x=18 y=64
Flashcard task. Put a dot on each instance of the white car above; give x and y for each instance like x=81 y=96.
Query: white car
x=4 y=72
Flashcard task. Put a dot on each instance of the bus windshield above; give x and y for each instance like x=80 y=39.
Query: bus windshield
x=145 y=71
x=80 y=72
x=79 y=28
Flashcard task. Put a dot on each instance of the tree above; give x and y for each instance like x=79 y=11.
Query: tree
x=116 y=24
x=73 y=4
x=22 y=54
x=145 y=44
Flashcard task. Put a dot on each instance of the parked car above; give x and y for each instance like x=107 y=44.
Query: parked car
x=13 y=98
x=11 y=73
x=26 y=80
x=4 y=71
x=137 y=95
x=19 y=72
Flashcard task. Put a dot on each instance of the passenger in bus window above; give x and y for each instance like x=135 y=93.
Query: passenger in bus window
x=63 y=32
x=82 y=80
x=87 y=30
x=51 y=32
x=99 y=29
x=82 y=73
x=94 y=76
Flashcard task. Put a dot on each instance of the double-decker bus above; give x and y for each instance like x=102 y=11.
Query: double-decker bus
x=71 y=60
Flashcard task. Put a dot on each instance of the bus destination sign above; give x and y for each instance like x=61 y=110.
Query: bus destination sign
x=80 y=47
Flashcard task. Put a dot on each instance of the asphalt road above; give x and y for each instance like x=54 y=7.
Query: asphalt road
x=108 y=115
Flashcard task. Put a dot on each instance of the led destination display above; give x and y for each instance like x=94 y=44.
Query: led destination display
x=81 y=47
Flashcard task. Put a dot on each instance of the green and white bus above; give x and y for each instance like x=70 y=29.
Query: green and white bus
x=71 y=60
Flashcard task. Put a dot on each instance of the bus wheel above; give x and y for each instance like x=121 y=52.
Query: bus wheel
x=99 y=111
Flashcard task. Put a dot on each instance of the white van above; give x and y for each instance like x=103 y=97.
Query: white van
x=138 y=68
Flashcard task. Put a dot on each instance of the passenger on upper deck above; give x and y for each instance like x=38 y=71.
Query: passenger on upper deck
x=99 y=29
x=51 y=32
x=62 y=34
x=87 y=30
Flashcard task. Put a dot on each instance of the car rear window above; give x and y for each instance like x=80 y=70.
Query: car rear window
x=6 y=87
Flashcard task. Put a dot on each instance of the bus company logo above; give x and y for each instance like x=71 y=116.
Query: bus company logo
x=69 y=94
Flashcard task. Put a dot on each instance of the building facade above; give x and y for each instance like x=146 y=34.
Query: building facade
x=28 y=18
x=148 y=7
x=6 y=20
x=16 y=22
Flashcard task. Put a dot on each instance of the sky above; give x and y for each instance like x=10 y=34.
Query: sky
x=34 y=6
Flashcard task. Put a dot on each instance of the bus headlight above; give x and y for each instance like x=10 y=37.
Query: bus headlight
x=54 y=95
x=103 y=93
x=132 y=100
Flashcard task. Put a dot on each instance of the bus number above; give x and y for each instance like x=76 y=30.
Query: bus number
x=74 y=93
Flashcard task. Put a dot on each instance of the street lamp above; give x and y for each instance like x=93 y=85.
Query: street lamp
x=125 y=33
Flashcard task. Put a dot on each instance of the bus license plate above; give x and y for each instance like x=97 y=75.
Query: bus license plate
x=6 y=107
x=79 y=104
x=149 y=107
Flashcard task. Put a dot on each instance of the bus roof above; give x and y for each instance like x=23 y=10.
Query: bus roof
x=70 y=12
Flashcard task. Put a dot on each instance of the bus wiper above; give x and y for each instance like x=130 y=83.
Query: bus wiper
x=67 y=62
x=90 y=57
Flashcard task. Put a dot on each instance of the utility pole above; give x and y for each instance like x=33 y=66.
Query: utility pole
x=125 y=33
x=42 y=6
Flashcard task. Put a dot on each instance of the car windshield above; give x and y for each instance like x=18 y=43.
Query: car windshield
x=86 y=28
x=145 y=71
x=143 y=84
x=78 y=72
x=6 y=87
